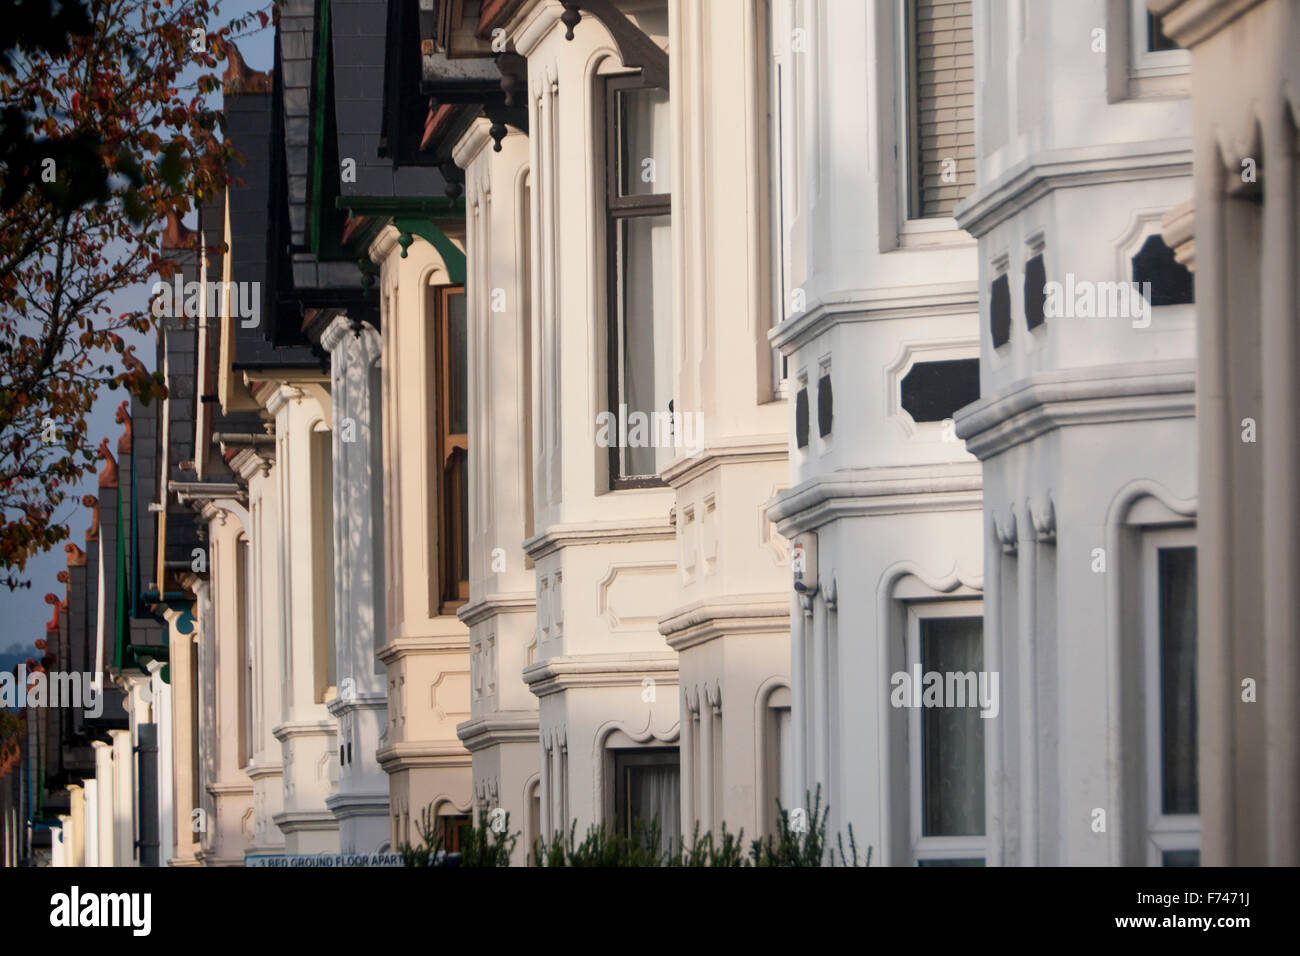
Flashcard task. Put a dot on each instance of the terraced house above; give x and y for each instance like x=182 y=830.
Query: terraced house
x=617 y=410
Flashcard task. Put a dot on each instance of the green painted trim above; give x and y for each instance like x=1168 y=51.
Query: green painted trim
x=421 y=216
x=141 y=654
x=452 y=257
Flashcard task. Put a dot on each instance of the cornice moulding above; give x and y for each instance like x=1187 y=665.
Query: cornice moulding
x=868 y=492
x=304 y=821
x=598 y=532
x=383 y=244
x=422 y=755
x=279 y=396
x=492 y=605
x=727 y=616
x=358 y=702
x=1035 y=176
x=1190 y=22
x=493 y=729
x=873 y=305
x=264 y=771
x=1045 y=401
x=230 y=789
x=558 y=674
x=410 y=645
x=739 y=450
x=472 y=142
x=247 y=461
x=532 y=23
x=304 y=728
x=346 y=806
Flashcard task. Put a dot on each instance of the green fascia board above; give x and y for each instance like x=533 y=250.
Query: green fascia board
x=417 y=216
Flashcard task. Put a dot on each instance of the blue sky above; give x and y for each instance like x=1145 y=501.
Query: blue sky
x=23 y=613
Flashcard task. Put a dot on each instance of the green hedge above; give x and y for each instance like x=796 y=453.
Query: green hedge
x=482 y=846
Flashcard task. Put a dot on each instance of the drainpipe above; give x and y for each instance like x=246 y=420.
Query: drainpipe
x=1028 y=607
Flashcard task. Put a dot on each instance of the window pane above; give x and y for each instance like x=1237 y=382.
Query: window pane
x=952 y=738
x=943 y=107
x=456 y=339
x=643 y=158
x=1178 y=679
x=1180 y=858
x=1156 y=39
x=652 y=794
x=645 y=334
x=784 y=760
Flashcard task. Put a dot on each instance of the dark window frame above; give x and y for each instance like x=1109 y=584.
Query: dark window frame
x=619 y=208
x=623 y=759
x=451 y=457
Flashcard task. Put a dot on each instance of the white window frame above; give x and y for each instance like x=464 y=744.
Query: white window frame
x=1165 y=832
x=248 y=679
x=1142 y=62
x=778 y=758
x=1131 y=71
x=924 y=848
x=780 y=135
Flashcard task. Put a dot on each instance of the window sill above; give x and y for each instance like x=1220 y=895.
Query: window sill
x=927 y=233
x=1159 y=85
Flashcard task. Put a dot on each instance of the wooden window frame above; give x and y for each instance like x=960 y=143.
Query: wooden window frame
x=453 y=589
x=618 y=209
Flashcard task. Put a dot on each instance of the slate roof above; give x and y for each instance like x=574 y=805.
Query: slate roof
x=361 y=54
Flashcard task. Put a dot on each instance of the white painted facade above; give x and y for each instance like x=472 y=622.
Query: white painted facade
x=604 y=562
x=1240 y=233
x=501 y=733
x=425 y=650
x=886 y=509
x=1084 y=428
x=360 y=803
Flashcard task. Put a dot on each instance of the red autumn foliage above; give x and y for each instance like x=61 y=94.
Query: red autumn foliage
x=99 y=144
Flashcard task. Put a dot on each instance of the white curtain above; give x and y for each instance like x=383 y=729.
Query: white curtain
x=654 y=794
x=952 y=738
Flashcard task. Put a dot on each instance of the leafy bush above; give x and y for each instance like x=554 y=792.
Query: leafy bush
x=481 y=845
x=643 y=846
x=602 y=846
